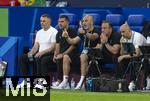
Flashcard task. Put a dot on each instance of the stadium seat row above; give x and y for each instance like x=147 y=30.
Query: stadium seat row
x=135 y=21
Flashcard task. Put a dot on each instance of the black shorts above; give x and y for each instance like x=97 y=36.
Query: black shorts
x=75 y=59
x=75 y=63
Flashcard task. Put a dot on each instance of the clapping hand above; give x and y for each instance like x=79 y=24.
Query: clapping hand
x=104 y=38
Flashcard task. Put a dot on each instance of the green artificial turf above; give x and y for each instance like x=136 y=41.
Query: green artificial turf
x=71 y=95
x=68 y=95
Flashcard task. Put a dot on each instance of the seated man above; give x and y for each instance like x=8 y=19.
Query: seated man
x=132 y=37
x=109 y=44
x=42 y=50
x=90 y=35
x=63 y=48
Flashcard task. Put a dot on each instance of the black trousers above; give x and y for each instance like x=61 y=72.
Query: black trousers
x=39 y=65
x=128 y=66
x=121 y=68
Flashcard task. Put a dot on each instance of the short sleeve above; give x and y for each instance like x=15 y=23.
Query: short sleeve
x=57 y=37
x=117 y=37
x=138 y=42
x=37 y=37
x=53 y=40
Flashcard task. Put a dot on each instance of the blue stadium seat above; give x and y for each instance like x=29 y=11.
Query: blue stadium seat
x=116 y=20
x=116 y=28
x=108 y=66
x=136 y=22
x=96 y=18
x=137 y=28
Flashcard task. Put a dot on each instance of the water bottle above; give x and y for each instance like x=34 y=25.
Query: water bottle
x=1 y=69
x=89 y=84
x=119 y=87
x=148 y=40
x=3 y=65
x=30 y=56
x=53 y=81
x=72 y=83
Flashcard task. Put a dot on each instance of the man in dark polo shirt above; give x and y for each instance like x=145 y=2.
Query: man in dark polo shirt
x=63 y=47
x=109 y=44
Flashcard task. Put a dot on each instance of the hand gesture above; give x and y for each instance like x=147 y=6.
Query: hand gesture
x=65 y=33
x=81 y=31
x=104 y=38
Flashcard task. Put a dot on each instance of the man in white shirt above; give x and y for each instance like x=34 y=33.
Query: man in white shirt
x=129 y=36
x=43 y=49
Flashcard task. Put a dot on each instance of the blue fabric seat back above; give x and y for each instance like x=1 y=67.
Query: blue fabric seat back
x=72 y=18
x=109 y=66
x=136 y=22
x=96 y=18
x=116 y=19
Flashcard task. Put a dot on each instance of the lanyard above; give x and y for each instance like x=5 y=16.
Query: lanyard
x=132 y=38
x=86 y=40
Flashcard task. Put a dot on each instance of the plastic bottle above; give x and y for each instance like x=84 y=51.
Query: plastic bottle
x=119 y=87
x=72 y=83
x=89 y=84
x=53 y=81
x=148 y=40
x=30 y=56
x=1 y=69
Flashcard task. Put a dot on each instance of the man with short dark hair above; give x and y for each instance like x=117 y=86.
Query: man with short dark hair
x=109 y=43
x=43 y=49
x=63 y=48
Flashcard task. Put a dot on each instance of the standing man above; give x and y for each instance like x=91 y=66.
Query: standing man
x=43 y=49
